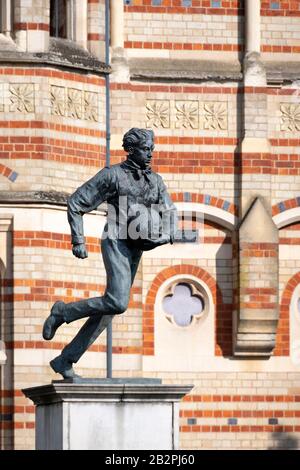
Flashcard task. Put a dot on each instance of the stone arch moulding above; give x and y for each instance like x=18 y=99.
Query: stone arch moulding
x=215 y=209
x=214 y=214
x=286 y=304
x=219 y=312
x=294 y=323
x=286 y=212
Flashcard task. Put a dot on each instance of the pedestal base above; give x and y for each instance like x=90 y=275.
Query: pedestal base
x=108 y=414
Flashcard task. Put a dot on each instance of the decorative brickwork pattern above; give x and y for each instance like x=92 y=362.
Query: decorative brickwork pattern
x=231 y=7
x=8 y=172
x=39 y=290
x=175 y=46
x=205 y=199
x=285 y=205
x=285 y=8
x=52 y=73
x=31 y=27
x=215 y=418
x=59 y=150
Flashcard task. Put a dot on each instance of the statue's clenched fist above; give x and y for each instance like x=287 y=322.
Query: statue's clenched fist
x=80 y=251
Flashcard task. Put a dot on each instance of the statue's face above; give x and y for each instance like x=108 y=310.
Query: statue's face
x=142 y=153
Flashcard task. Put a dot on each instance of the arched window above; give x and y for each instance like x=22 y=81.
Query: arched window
x=6 y=17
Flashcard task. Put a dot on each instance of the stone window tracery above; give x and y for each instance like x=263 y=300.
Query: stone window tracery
x=183 y=305
x=184 y=302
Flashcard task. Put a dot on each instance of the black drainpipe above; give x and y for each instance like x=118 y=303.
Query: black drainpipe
x=107 y=163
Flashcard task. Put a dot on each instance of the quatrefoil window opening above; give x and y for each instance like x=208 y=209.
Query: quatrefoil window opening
x=183 y=304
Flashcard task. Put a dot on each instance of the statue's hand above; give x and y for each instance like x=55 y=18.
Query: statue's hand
x=163 y=240
x=148 y=245
x=80 y=251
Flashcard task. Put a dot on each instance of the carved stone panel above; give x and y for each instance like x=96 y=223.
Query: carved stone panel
x=91 y=110
x=22 y=97
x=75 y=103
x=187 y=114
x=290 y=117
x=158 y=113
x=215 y=115
x=58 y=100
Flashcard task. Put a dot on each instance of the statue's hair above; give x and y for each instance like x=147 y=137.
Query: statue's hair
x=135 y=135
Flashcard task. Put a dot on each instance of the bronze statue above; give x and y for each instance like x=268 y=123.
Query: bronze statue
x=137 y=201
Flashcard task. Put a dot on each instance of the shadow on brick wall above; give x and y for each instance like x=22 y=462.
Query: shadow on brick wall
x=284 y=441
x=224 y=298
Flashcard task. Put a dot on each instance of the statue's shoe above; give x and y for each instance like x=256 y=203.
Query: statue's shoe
x=64 y=367
x=54 y=321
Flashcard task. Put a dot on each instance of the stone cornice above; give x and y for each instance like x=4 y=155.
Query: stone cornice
x=106 y=391
x=49 y=198
x=190 y=70
x=33 y=197
x=62 y=53
x=199 y=70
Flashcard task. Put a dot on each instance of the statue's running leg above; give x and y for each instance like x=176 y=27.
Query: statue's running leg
x=71 y=353
x=121 y=263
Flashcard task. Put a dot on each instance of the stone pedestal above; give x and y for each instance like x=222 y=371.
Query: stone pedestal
x=109 y=414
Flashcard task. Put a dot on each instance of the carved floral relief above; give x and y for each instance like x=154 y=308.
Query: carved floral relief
x=187 y=114
x=57 y=100
x=158 y=113
x=75 y=103
x=215 y=116
x=22 y=97
x=290 y=117
x=91 y=111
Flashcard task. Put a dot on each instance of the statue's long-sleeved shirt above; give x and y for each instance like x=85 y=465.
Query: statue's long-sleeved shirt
x=124 y=187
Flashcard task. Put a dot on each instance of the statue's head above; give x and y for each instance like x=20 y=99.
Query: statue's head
x=139 y=143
